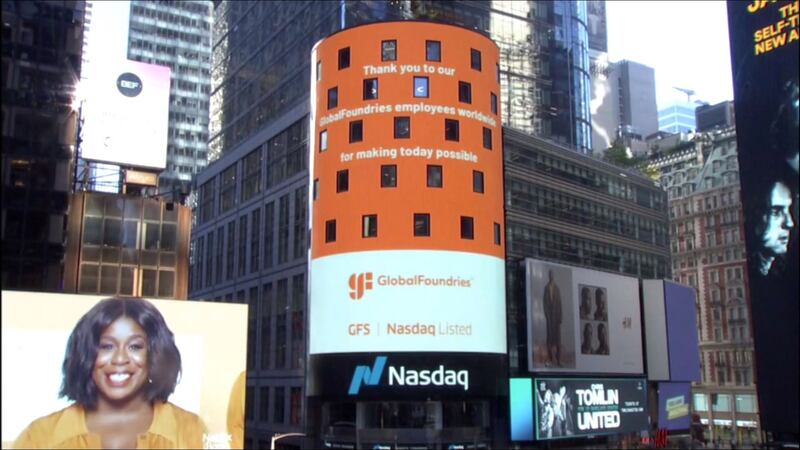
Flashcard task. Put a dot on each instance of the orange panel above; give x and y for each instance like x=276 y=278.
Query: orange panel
x=395 y=207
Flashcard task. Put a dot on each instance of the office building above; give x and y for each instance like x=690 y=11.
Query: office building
x=177 y=34
x=708 y=253
x=678 y=117
x=709 y=117
x=627 y=110
x=41 y=65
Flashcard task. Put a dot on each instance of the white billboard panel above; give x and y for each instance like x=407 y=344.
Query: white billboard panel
x=582 y=320
x=655 y=330
x=126 y=115
x=407 y=301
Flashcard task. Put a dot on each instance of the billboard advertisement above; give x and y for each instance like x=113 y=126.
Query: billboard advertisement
x=673 y=406
x=764 y=38
x=670 y=321
x=598 y=34
x=407 y=247
x=126 y=115
x=73 y=358
x=582 y=320
x=558 y=408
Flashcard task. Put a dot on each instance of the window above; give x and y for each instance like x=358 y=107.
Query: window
x=316 y=188
x=389 y=176
x=435 y=176
x=369 y=226
x=477 y=181
x=433 y=51
x=497 y=233
x=333 y=97
x=494 y=104
x=475 y=59
x=370 y=89
x=402 y=127
x=263 y=411
x=323 y=140
x=319 y=70
x=464 y=92
x=356 y=131
x=700 y=402
x=342 y=181
x=421 y=87
x=344 y=58
x=451 y=130
x=278 y=411
x=487 y=138
x=422 y=224
x=330 y=231
x=467 y=227
x=389 y=50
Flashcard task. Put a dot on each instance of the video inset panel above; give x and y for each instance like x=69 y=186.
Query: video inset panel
x=71 y=358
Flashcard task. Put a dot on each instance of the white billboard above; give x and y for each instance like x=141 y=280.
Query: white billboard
x=407 y=301
x=581 y=320
x=126 y=115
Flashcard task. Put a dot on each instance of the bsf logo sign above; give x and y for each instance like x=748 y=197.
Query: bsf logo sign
x=360 y=284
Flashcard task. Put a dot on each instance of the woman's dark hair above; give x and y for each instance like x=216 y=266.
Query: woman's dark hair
x=163 y=357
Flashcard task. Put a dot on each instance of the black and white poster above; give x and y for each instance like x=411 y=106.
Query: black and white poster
x=567 y=408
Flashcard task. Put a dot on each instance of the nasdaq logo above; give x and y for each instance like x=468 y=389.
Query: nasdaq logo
x=365 y=375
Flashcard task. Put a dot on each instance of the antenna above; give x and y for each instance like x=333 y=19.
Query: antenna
x=689 y=93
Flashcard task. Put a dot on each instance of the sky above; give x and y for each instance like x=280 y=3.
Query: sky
x=686 y=42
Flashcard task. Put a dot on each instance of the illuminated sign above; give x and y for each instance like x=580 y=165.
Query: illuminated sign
x=555 y=408
x=764 y=38
x=407 y=250
x=126 y=115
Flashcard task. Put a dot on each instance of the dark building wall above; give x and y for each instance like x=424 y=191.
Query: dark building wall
x=41 y=61
x=709 y=117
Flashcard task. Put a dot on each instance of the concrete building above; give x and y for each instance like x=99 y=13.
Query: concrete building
x=177 y=34
x=41 y=65
x=709 y=117
x=628 y=110
x=708 y=252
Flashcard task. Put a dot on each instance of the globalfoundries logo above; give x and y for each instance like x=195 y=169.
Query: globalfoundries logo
x=402 y=376
x=361 y=283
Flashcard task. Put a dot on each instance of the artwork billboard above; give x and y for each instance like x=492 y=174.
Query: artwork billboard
x=126 y=115
x=66 y=357
x=407 y=248
x=558 y=408
x=581 y=320
x=764 y=38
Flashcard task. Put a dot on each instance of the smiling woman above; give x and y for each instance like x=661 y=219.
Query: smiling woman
x=120 y=367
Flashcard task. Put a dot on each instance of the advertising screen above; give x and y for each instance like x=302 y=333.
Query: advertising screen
x=407 y=247
x=557 y=408
x=764 y=38
x=126 y=115
x=582 y=320
x=207 y=344
x=673 y=406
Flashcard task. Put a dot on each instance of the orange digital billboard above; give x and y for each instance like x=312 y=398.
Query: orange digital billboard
x=407 y=220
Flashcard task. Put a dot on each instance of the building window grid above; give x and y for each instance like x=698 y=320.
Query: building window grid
x=281 y=308
x=269 y=234
x=230 y=248
x=255 y=244
x=242 y=250
x=283 y=229
x=300 y=225
x=266 y=325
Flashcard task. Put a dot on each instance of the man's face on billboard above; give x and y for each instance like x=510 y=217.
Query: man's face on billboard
x=779 y=220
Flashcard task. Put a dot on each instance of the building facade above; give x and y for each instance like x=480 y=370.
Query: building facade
x=677 y=118
x=627 y=110
x=709 y=117
x=41 y=64
x=708 y=253
x=177 y=34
